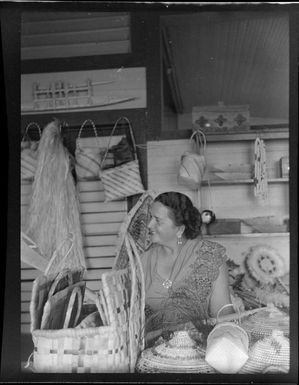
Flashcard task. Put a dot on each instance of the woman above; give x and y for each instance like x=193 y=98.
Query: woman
x=186 y=277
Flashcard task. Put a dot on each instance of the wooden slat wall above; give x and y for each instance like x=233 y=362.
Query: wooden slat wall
x=163 y=158
x=238 y=247
x=228 y=201
x=100 y=226
x=70 y=34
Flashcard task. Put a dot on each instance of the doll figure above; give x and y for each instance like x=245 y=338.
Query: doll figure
x=208 y=217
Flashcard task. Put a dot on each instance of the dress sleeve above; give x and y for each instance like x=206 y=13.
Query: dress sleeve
x=213 y=255
x=219 y=256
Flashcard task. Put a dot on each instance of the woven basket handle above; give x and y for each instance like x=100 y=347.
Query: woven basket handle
x=58 y=278
x=94 y=129
x=27 y=129
x=76 y=293
x=200 y=141
x=112 y=132
x=223 y=307
x=101 y=309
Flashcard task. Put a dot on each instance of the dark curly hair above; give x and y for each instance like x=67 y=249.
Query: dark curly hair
x=182 y=212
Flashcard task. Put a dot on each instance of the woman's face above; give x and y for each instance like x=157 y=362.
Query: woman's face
x=161 y=227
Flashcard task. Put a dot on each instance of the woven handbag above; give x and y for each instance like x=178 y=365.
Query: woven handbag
x=193 y=163
x=124 y=180
x=227 y=346
x=47 y=285
x=88 y=157
x=29 y=154
x=103 y=349
x=57 y=309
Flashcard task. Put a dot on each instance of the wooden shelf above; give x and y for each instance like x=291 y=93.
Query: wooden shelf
x=248 y=235
x=268 y=133
x=241 y=181
x=282 y=133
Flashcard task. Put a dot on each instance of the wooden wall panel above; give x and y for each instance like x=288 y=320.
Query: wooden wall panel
x=163 y=158
x=235 y=200
x=72 y=34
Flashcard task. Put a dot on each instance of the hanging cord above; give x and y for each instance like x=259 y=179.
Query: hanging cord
x=260 y=171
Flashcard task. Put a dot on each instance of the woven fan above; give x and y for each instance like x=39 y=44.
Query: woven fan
x=133 y=241
x=136 y=226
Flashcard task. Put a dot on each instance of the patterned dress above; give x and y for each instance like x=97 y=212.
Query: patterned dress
x=194 y=272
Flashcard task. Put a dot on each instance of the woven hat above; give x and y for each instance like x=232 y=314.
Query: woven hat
x=262 y=323
x=269 y=355
x=180 y=354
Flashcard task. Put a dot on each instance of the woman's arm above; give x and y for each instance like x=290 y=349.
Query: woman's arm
x=220 y=294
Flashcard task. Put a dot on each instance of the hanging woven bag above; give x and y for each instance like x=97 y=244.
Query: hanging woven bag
x=124 y=180
x=193 y=163
x=88 y=158
x=29 y=151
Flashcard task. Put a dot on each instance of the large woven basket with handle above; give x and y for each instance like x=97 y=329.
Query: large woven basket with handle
x=101 y=349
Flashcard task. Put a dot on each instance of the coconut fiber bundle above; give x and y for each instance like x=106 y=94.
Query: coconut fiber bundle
x=53 y=212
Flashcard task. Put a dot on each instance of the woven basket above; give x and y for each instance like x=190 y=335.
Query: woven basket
x=178 y=355
x=29 y=152
x=88 y=159
x=47 y=285
x=124 y=180
x=262 y=323
x=269 y=355
x=101 y=349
